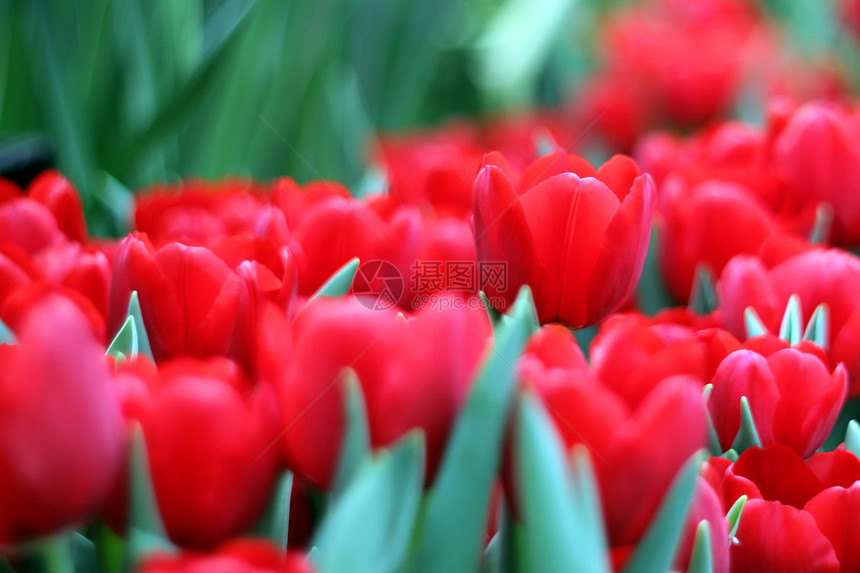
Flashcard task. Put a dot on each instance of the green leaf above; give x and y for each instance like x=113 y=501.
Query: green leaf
x=791 y=328
x=142 y=338
x=494 y=315
x=818 y=327
x=714 y=446
x=852 y=438
x=703 y=297
x=124 y=344
x=356 y=444
x=275 y=523
x=368 y=528
x=55 y=553
x=658 y=546
x=753 y=324
x=820 y=233
x=146 y=531
x=453 y=523
x=555 y=512
x=747 y=436
x=340 y=282
x=702 y=559
x=734 y=515
x=651 y=291
x=6 y=335
x=110 y=548
x=83 y=553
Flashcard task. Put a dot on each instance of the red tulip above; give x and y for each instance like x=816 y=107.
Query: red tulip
x=817 y=156
x=212 y=444
x=792 y=395
x=189 y=297
x=816 y=276
x=800 y=515
x=634 y=465
x=61 y=431
x=576 y=235
x=694 y=230
x=61 y=198
x=407 y=382
x=240 y=556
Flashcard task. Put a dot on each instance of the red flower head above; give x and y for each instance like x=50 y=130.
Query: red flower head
x=212 y=444
x=240 y=556
x=577 y=236
x=61 y=430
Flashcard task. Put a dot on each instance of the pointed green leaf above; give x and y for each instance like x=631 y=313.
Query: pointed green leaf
x=791 y=328
x=657 y=548
x=747 y=436
x=818 y=327
x=275 y=523
x=702 y=559
x=146 y=531
x=820 y=233
x=554 y=510
x=734 y=515
x=703 y=297
x=731 y=454
x=6 y=335
x=83 y=553
x=852 y=438
x=714 y=446
x=753 y=325
x=494 y=315
x=356 y=444
x=340 y=282
x=453 y=523
x=124 y=343
x=134 y=311
x=368 y=528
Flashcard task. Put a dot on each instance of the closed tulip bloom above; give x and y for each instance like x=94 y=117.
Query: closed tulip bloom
x=576 y=235
x=211 y=440
x=793 y=397
x=61 y=430
x=408 y=383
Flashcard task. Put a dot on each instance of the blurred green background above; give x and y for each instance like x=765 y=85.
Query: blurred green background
x=123 y=93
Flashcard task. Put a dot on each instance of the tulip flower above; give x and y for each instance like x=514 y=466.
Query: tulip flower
x=407 y=382
x=817 y=277
x=61 y=430
x=637 y=452
x=800 y=516
x=211 y=440
x=577 y=236
x=239 y=556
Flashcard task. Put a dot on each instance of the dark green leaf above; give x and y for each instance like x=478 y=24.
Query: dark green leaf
x=356 y=444
x=703 y=298
x=276 y=521
x=453 y=523
x=747 y=436
x=368 y=528
x=657 y=548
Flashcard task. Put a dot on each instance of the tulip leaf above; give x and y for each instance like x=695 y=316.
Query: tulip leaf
x=731 y=454
x=702 y=558
x=146 y=531
x=454 y=520
x=703 y=297
x=852 y=438
x=84 y=553
x=557 y=506
x=791 y=329
x=818 y=327
x=734 y=515
x=753 y=324
x=820 y=233
x=747 y=436
x=6 y=335
x=714 y=446
x=124 y=344
x=657 y=548
x=494 y=315
x=275 y=523
x=55 y=554
x=501 y=553
x=368 y=528
x=340 y=282
x=356 y=441
x=134 y=311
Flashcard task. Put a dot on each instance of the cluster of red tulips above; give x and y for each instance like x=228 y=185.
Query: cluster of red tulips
x=274 y=377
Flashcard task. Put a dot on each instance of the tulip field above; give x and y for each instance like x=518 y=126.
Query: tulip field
x=490 y=286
